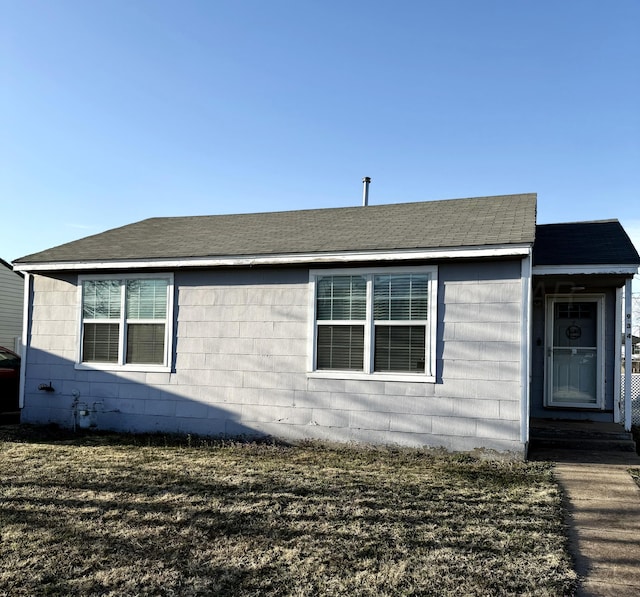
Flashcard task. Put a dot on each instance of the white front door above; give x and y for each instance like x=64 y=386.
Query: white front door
x=575 y=356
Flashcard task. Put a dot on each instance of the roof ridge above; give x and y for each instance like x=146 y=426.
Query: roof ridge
x=346 y=207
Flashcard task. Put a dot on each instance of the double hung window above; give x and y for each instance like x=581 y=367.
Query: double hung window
x=126 y=322
x=374 y=321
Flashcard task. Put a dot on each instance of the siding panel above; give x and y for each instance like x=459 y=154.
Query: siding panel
x=11 y=306
x=241 y=355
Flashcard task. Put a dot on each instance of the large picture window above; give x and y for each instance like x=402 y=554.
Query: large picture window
x=126 y=321
x=374 y=322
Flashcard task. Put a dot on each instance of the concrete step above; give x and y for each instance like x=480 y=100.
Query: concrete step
x=9 y=418
x=572 y=443
x=572 y=435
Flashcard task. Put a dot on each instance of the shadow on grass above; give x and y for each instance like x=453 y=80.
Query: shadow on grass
x=110 y=514
x=54 y=434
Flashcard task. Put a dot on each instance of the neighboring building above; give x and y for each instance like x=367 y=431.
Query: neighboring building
x=444 y=323
x=11 y=306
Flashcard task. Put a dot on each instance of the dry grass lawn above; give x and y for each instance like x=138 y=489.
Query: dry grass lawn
x=120 y=515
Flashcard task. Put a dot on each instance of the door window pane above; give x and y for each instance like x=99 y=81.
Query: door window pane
x=575 y=324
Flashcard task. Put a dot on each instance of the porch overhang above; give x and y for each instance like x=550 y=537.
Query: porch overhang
x=583 y=281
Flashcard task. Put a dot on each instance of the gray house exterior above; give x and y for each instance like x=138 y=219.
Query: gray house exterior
x=11 y=305
x=416 y=324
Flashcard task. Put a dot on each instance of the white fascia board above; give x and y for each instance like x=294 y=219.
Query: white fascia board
x=291 y=259
x=551 y=270
x=526 y=352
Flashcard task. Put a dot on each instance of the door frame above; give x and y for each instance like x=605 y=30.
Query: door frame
x=550 y=301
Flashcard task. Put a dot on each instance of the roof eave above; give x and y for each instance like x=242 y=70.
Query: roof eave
x=472 y=252
x=568 y=269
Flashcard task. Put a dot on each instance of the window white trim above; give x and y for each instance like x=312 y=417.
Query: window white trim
x=368 y=373
x=122 y=323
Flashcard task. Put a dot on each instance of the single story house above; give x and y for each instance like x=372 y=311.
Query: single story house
x=11 y=306
x=441 y=323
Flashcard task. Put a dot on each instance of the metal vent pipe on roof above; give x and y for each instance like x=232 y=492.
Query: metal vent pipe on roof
x=365 y=191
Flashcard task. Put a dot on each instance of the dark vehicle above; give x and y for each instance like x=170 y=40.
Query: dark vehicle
x=9 y=380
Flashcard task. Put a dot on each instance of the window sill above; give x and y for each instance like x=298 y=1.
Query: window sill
x=357 y=375
x=122 y=368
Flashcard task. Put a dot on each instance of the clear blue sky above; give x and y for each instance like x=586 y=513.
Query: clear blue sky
x=115 y=111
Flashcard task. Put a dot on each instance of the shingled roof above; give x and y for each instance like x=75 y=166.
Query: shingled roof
x=603 y=242
x=472 y=222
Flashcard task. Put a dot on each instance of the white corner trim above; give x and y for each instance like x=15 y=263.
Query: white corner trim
x=24 y=348
x=617 y=367
x=286 y=259
x=628 y=327
x=526 y=350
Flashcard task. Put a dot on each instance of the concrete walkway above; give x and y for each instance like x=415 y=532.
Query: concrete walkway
x=603 y=506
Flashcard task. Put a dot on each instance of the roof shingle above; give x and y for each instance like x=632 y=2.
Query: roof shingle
x=479 y=221
x=602 y=242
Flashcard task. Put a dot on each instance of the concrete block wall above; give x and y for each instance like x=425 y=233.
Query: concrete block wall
x=52 y=347
x=240 y=366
